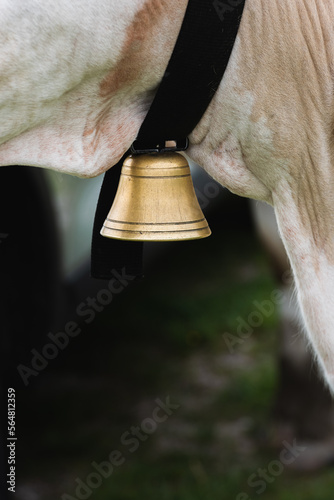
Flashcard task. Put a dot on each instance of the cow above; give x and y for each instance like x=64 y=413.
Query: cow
x=77 y=79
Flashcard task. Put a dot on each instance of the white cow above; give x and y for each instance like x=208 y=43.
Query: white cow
x=77 y=79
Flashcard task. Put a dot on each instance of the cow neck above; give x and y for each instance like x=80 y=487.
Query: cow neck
x=192 y=76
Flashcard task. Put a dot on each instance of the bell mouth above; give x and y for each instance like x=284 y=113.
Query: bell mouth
x=122 y=230
x=155 y=201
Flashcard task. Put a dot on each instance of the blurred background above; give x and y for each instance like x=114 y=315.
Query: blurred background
x=192 y=383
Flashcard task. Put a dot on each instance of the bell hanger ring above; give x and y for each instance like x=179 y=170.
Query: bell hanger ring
x=142 y=147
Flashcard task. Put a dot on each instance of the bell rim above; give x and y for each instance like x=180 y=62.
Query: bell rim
x=158 y=236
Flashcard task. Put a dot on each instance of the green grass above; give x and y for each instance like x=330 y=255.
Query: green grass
x=162 y=337
x=191 y=479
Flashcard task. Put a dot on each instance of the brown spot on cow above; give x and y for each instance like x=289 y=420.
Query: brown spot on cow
x=140 y=48
x=148 y=43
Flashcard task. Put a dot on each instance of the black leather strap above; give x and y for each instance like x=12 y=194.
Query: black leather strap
x=193 y=74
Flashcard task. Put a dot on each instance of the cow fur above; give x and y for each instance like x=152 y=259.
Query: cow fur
x=77 y=79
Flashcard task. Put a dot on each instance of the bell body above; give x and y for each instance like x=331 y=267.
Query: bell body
x=155 y=201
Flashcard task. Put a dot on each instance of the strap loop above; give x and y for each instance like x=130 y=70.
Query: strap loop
x=139 y=147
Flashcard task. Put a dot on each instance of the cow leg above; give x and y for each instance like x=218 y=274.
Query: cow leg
x=298 y=380
x=305 y=223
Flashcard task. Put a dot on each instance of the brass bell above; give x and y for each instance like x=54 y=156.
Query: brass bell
x=155 y=201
